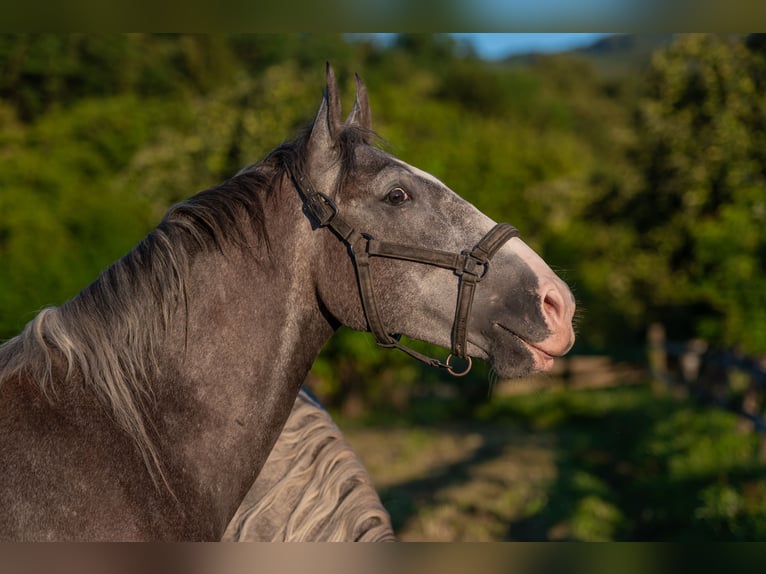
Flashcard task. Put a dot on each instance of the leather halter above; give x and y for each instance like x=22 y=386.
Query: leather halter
x=471 y=266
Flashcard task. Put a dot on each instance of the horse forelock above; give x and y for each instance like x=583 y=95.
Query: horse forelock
x=291 y=157
x=350 y=140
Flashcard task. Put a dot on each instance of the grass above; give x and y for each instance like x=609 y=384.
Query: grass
x=620 y=463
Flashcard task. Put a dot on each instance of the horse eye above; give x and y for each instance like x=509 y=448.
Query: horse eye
x=397 y=196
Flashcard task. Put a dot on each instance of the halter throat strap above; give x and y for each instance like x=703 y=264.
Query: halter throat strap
x=471 y=266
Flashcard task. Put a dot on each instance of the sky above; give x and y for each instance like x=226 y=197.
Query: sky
x=500 y=45
x=496 y=46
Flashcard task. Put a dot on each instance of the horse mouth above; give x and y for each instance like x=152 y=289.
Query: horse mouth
x=542 y=360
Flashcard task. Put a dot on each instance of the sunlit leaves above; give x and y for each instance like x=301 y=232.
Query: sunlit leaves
x=700 y=206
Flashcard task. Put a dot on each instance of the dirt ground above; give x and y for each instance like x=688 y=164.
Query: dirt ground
x=457 y=484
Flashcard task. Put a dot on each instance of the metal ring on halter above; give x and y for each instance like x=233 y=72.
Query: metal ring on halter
x=453 y=372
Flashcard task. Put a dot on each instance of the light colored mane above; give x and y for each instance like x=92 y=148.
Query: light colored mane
x=108 y=335
x=312 y=488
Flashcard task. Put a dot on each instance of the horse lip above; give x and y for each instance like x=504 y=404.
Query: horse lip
x=531 y=345
x=543 y=359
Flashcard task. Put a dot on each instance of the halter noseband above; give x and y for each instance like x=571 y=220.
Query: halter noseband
x=471 y=266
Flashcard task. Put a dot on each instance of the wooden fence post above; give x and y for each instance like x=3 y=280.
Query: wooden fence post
x=658 y=356
x=691 y=360
x=728 y=379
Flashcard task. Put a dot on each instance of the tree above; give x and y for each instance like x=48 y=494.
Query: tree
x=699 y=209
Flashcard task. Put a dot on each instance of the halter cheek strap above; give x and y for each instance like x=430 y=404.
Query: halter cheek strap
x=471 y=266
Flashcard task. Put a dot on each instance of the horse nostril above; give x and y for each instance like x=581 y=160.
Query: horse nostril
x=554 y=307
x=558 y=307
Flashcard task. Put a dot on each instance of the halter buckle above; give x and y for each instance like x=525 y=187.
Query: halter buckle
x=321 y=208
x=473 y=265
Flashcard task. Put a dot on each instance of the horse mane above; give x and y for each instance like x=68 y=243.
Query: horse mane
x=313 y=487
x=107 y=335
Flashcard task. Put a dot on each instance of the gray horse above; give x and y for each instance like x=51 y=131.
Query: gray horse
x=145 y=407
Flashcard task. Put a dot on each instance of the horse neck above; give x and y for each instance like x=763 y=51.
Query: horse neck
x=252 y=330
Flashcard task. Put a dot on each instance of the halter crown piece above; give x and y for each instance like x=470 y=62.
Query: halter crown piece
x=471 y=266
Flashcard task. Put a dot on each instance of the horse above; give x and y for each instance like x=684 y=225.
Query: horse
x=145 y=407
x=313 y=488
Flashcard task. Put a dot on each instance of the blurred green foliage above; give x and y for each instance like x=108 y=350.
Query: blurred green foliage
x=695 y=212
x=635 y=464
x=644 y=189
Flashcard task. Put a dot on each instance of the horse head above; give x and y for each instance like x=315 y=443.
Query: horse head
x=409 y=256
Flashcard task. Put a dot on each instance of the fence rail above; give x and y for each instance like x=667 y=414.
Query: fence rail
x=726 y=378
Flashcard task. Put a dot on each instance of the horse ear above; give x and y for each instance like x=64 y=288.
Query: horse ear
x=360 y=114
x=327 y=124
